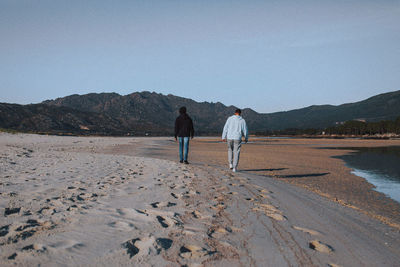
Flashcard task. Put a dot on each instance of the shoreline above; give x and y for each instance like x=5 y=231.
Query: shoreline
x=380 y=186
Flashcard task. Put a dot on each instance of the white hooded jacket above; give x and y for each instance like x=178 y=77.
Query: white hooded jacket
x=235 y=127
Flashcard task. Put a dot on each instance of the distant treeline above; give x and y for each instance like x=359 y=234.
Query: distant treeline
x=366 y=128
x=346 y=128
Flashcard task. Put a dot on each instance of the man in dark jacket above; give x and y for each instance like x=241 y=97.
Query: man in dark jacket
x=183 y=130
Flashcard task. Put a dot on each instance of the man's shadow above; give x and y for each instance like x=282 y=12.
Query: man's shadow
x=290 y=175
x=264 y=170
x=302 y=175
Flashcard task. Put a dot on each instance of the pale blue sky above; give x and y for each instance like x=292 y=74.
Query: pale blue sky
x=266 y=55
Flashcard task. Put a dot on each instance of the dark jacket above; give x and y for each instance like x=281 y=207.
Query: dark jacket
x=184 y=126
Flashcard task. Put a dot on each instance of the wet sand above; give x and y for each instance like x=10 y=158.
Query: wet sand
x=101 y=201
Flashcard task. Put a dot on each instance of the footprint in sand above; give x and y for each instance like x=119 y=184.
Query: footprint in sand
x=219 y=198
x=270 y=211
x=87 y=197
x=123 y=226
x=194 y=252
x=47 y=211
x=319 y=246
x=176 y=196
x=162 y=204
x=161 y=220
x=21 y=231
x=269 y=207
x=222 y=188
x=193 y=192
x=265 y=191
x=4 y=230
x=218 y=232
x=134 y=246
x=196 y=214
x=146 y=245
x=34 y=248
x=173 y=186
x=73 y=208
x=68 y=245
x=11 y=211
x=218 y=207
x=163 y=244
x=164 y=218
x=12 y=256
x=166 y=222
x=276 y=216
x=134 y=214
x=192 y=231
x=305 y=230
x=264 y=196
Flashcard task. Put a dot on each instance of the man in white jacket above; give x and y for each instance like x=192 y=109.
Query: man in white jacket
x=235 y=127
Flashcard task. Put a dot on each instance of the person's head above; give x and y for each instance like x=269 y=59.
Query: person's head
x=182 y=110
x=238 y=111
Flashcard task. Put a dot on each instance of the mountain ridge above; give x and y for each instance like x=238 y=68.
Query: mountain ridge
x=144 y=112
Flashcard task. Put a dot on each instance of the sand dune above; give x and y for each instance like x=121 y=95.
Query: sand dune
x=69 y=201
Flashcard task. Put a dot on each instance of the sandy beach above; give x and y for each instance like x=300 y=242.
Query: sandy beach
x=103 y=201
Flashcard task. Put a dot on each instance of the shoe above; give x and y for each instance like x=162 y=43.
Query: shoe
x=186 y=162
x=230 y=166
x=181 y=161
x=234 y=170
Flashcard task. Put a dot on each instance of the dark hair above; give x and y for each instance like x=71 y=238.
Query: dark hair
x=182 y=110
x=238 y=111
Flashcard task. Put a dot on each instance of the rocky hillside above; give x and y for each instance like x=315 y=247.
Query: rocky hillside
x=144 y=112
x=381 y=107
x=41 y=118
x=156 y=110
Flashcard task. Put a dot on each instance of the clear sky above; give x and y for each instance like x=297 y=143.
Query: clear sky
x=267 y=55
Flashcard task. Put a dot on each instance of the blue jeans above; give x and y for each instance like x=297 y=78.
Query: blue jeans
x=183 y=148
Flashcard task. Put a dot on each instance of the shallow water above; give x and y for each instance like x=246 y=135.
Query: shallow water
x=380 y=166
